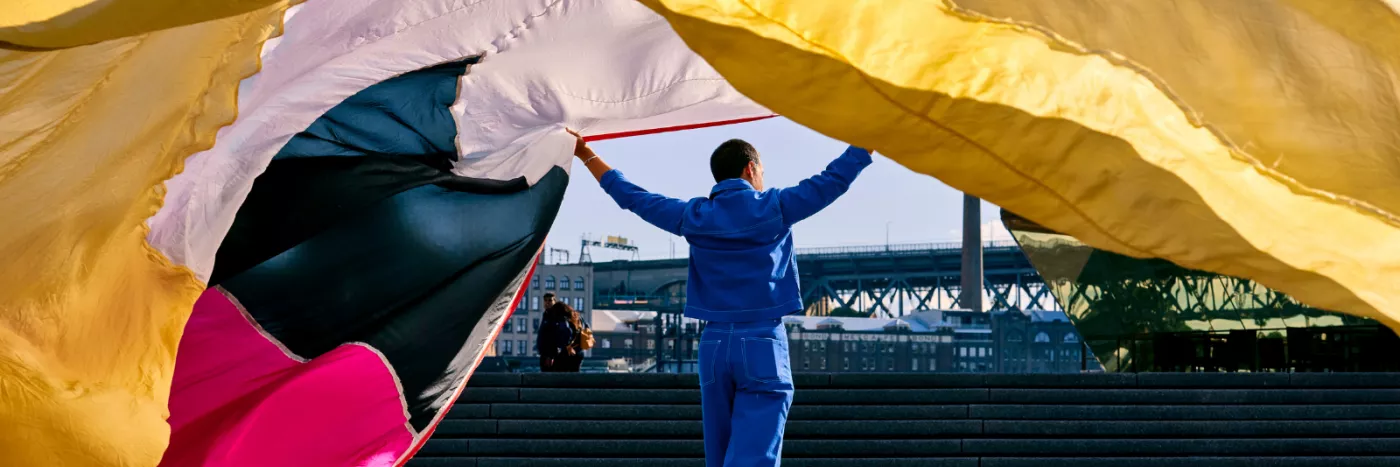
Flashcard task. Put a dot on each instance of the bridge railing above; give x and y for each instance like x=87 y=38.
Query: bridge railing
x=862 y=250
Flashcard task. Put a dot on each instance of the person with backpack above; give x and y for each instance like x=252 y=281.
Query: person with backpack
x=555 y=338
x=572 y=362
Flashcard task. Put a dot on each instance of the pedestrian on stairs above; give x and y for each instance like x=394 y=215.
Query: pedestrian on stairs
x=555 y=338
x=742 y=281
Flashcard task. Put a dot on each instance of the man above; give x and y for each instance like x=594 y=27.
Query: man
x=742 y=281
x=548 y=300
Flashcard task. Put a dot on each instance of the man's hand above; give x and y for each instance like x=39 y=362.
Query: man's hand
x=595 y=164
x=581 y=149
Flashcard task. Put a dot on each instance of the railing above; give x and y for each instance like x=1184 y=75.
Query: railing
x=896 y=248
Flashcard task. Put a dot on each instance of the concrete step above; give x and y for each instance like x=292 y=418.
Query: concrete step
x=926 y=429
x=1379 y=461
x=692 y=396
x=1184 y=412
x=960 y=380
x=1182 y=447
x=843 y=448
x=672 y=462
x=692 y=412
x=617 y=429
x=1195 y=396
x=952 y=396
x=1305 y=461
x=1192 y=429
x=547 y=448
x=519 y=411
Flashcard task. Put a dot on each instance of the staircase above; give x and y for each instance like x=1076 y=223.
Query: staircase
x=942 y=420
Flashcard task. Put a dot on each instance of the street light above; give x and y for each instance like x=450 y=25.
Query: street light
x=887 y=234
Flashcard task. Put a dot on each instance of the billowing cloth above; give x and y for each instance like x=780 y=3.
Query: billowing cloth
x=362 y=227
x=52 y=24
x=90 y=314
x=1251 y=138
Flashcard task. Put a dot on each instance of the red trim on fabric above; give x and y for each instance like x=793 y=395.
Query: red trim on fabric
x=514 y=304
x=669 y=129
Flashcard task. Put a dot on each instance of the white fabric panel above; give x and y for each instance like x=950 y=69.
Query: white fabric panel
x=565 y=66
x=602 y=66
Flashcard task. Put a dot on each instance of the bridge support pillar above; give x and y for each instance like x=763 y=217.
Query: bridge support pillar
x=971 y=294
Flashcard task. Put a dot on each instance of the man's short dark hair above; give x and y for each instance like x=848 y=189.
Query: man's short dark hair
x=548 y=295
x=730 y=159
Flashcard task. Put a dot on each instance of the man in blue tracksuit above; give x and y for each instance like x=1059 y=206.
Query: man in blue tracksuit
x=743 y=280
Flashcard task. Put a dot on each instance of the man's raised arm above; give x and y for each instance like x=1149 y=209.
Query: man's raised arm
x=661 y=211
x=816 y=193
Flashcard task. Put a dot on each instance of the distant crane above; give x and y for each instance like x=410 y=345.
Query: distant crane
x=611 y=242
x=555 y=253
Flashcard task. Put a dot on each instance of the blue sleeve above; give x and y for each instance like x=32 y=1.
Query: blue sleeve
x=816 y=193
x=657 y=210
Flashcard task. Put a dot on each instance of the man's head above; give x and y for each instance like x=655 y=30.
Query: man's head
x=548 y=300
x=737 y=158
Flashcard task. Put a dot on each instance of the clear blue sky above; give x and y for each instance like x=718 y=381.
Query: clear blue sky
x=917 y=208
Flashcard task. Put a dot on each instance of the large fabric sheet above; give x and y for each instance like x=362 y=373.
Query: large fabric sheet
x=346 y=149
x=1251 y=138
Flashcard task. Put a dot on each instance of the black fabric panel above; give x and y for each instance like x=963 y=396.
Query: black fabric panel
x=296 y=198
x=410 y=275
x=390 y=137
x=408 y=115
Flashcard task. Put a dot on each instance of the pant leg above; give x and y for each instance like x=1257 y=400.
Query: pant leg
x=762 y=399
x=716 y=395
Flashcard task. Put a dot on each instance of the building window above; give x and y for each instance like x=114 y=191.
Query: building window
x=534 y=303
x=806 y=363
x=846 y=363
x=510 y=326
x=1070 y=338
x=981 y=351
x=962 y=351
x=578 y=303
x=549 y=282
x=522 y=326
x=535 y=282
x=914 y=364
x=520 y=304
x=889 y=364
x=578 y=283
x=521 y=344
x=823 y=362
x=606 y=343
x=537 y=325
x=564 y=283
x=508 y=348
x=651 y=344
x=932 y=364
x=1042 y=337
x=627 y=343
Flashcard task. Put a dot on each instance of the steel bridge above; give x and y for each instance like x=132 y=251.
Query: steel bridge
x=882 y=280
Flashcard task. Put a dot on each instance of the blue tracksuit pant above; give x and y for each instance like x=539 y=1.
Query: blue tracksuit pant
x=745 y=392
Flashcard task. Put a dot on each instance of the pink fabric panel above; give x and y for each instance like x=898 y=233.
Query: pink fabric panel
x=238 y=400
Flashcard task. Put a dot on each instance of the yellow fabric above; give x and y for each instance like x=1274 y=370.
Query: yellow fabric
x=66 y=23
x=90 y=315
x=1251 y=138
